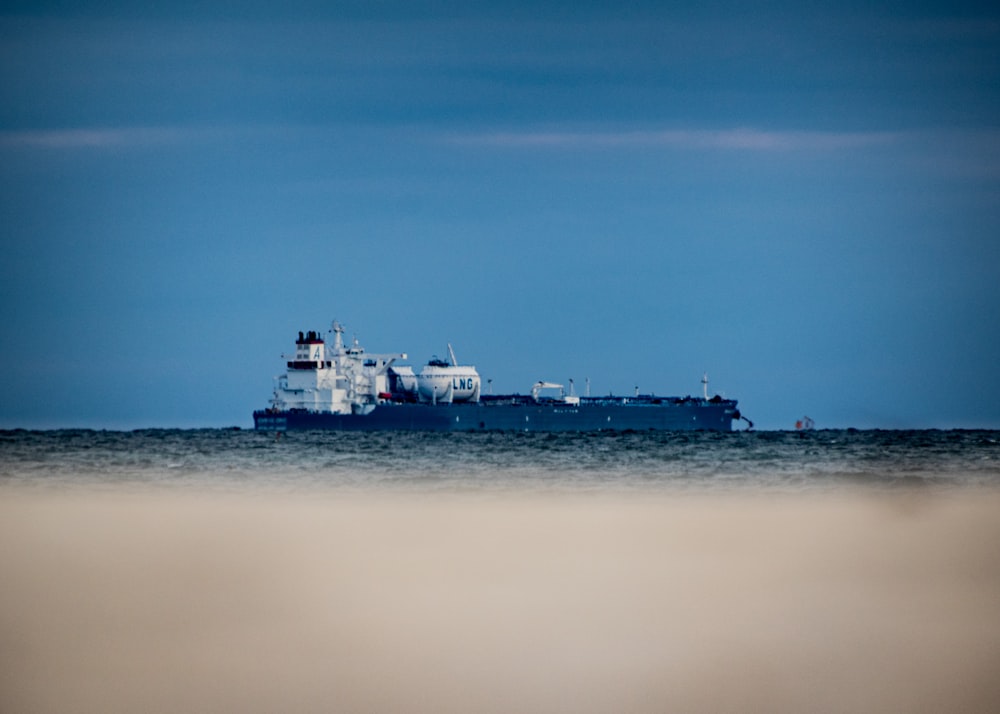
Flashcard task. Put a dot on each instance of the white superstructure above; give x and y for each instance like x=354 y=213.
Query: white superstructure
x=335 y=379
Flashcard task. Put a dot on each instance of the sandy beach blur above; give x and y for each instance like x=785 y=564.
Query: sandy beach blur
x=183 y=602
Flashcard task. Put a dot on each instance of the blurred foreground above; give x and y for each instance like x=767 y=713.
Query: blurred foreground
x=184 y=602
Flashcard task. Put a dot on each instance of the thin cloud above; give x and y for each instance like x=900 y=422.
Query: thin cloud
x=89 y=138
x=722 y=139
x=102 y=138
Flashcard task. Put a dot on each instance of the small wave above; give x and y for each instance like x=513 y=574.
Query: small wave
x=826 y=459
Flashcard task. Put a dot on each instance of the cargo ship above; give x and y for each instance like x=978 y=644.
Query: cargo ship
x=333 y=386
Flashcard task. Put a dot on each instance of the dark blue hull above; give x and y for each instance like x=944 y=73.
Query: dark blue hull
x=595 y=415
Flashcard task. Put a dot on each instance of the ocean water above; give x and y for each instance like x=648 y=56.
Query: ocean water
x=153 y=571
x=220 y=459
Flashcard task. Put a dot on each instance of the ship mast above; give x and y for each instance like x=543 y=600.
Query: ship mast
x=338 y=342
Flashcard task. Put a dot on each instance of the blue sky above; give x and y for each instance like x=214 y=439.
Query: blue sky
x=801 y=199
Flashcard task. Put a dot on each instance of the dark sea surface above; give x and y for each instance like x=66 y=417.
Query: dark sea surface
x=217 y=459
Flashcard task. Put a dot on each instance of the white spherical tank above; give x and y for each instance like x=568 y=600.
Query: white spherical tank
x=442 y=382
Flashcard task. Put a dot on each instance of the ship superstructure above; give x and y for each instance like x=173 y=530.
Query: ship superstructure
x=330 y=386
x=332 y=379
